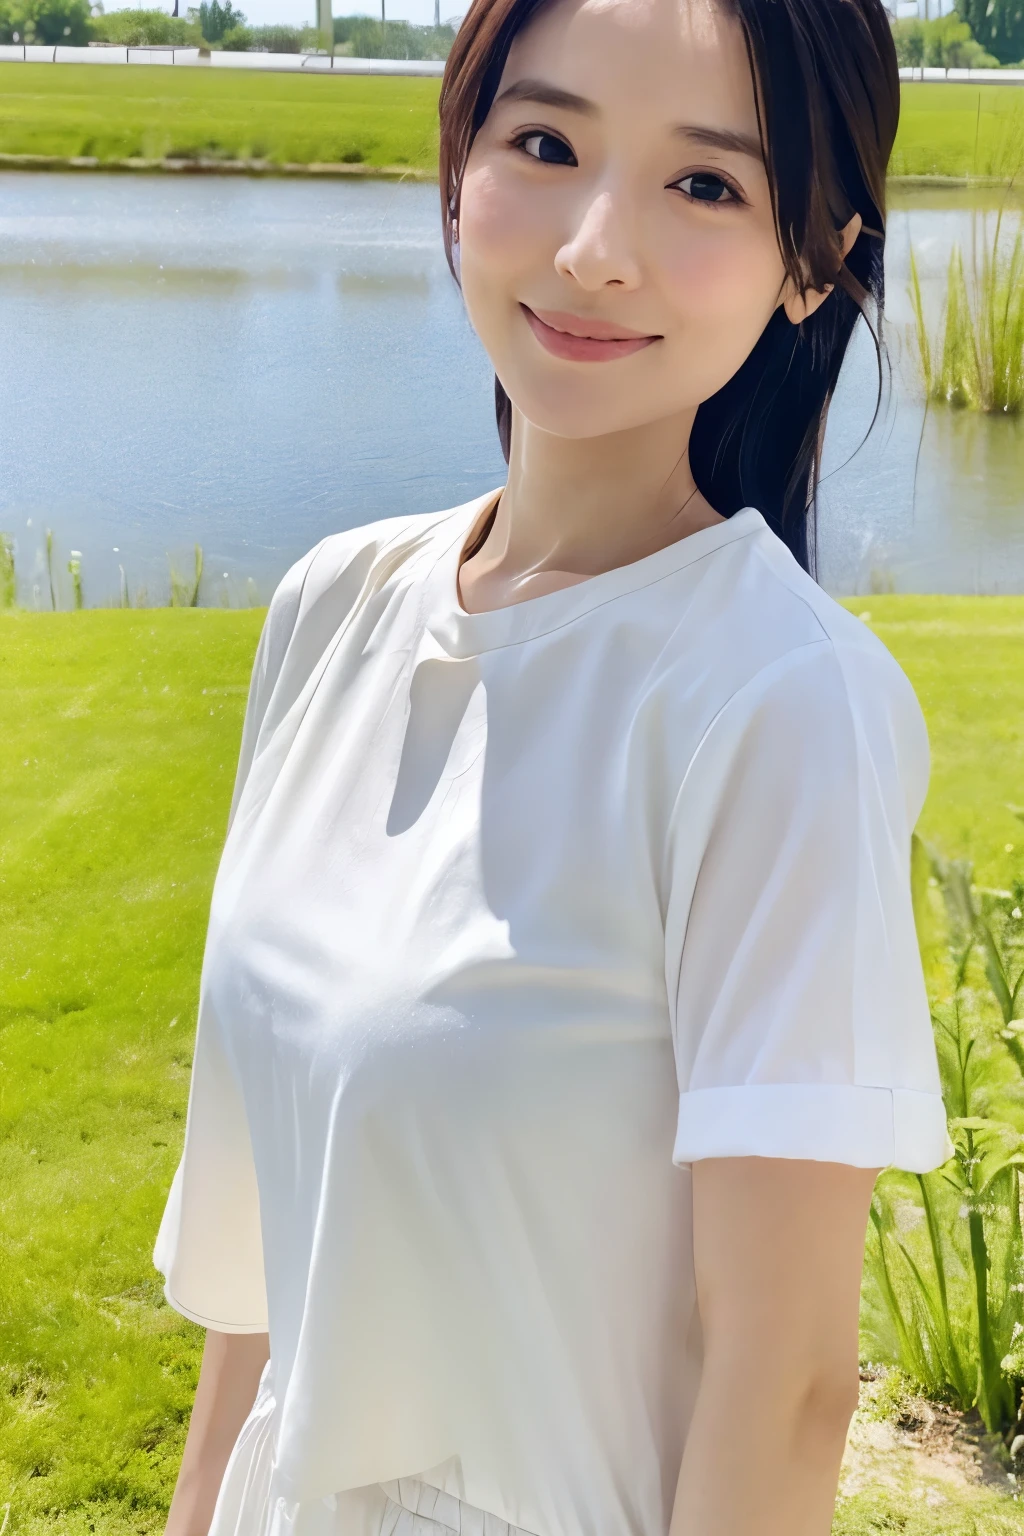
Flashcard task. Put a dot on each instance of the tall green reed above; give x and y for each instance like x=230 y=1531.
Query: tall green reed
x=75 y=572
x=975 y=359
x=8 y=578
x=944 y=1292
x=49 y=568
x=185 y=590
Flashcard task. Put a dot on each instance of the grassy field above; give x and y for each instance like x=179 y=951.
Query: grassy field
x=117 y=757
x=116 y=113
x=960 y=130
x=141 y=111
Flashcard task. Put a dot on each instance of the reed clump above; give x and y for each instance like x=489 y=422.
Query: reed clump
x=945 y=1255
x=975 y=358
x=185 y=589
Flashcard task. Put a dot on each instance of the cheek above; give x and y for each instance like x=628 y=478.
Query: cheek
x=503 y=229
x=486 y=217
x=726 y=277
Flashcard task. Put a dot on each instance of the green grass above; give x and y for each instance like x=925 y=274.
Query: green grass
x=960 y=130
x=117 y=757
x=138 y=110
x=956 y=1511
x=117 y=112
x=964 y=658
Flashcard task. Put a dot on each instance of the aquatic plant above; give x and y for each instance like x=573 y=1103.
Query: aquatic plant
x=976 y=357
x=945 y=1256
x=8 y=582
x=75 y=572
x=49 y=568
x=185 y=591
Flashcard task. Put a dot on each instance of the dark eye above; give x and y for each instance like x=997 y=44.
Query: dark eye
x=544 y=146
x=705 y=187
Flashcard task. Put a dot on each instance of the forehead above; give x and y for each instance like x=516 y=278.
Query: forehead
x=669 y=58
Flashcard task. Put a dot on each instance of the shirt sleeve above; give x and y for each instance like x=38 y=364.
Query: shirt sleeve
x=209 y=1246
x=801 y=1025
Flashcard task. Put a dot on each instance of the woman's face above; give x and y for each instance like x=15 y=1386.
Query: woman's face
x=617 y=192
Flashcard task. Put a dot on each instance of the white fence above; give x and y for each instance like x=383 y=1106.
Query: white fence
x=966 y=76
x=323 y=63
x=310 y=63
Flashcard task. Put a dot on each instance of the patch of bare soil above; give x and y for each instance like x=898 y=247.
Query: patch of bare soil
x=919 y=1448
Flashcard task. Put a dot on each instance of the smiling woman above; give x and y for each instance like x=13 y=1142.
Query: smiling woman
x=744 y=164
x=562 y=997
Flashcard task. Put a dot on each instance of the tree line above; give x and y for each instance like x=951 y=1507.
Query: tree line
x=978 y=34
x=215 y=24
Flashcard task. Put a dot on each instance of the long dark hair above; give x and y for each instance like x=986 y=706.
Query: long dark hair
x=827 y=88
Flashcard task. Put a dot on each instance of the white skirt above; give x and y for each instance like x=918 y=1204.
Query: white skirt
x=405 y=1507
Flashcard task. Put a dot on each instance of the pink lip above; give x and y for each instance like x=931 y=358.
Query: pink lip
x=580 y=340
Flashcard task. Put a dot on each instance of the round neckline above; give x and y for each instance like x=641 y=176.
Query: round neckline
x=465 y=634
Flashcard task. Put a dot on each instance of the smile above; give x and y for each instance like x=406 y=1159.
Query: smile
x=583 y=341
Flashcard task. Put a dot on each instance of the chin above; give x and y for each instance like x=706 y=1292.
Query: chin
x=579 y=408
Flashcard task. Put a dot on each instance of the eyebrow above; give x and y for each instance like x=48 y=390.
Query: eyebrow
x=721 y=138
x=546 y=95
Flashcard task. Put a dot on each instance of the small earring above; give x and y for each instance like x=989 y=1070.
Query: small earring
x=456 y=260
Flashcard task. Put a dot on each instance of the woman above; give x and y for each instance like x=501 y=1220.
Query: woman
x=561 y=999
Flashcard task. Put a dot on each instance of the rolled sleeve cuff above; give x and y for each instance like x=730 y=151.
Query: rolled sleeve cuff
x=824 y=1122
x=219 y=1325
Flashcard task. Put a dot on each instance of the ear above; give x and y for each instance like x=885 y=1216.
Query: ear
x=801 y=306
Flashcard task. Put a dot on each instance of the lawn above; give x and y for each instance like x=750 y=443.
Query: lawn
x=117 y=758
x=117 y=113
x=960 y=130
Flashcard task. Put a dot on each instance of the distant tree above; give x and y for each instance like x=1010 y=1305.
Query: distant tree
x=272 y=39
x=137 y=29
x=945 y=43
x=364 y=37
x=45 y=21
x=237 y=39
x=998 y=26
x=216 y=19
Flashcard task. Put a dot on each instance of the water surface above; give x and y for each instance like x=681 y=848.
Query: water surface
x=254 y=364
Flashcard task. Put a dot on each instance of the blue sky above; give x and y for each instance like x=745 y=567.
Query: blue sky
x=297 y=13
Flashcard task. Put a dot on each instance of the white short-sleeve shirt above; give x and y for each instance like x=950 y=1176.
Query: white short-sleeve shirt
x=519 y=914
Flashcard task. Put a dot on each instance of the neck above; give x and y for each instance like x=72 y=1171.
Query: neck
x=575 y=507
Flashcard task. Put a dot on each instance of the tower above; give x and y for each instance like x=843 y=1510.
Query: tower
x=325 y=22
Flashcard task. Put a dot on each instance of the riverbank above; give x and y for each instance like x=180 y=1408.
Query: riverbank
x=140 y=118
x=204 y=165
x=117 y=757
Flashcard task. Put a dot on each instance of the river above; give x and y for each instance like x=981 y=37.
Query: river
x=250 y=364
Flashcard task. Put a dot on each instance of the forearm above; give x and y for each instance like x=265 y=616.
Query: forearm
x=762 y=1460
x=228 y=1381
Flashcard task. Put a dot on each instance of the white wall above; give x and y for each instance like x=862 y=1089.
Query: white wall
x=925 y=9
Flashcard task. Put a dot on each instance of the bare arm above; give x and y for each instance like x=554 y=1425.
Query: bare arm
x=228 y=1379
x=778 y=1252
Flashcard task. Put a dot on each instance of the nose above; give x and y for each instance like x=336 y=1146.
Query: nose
x=602 y=251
